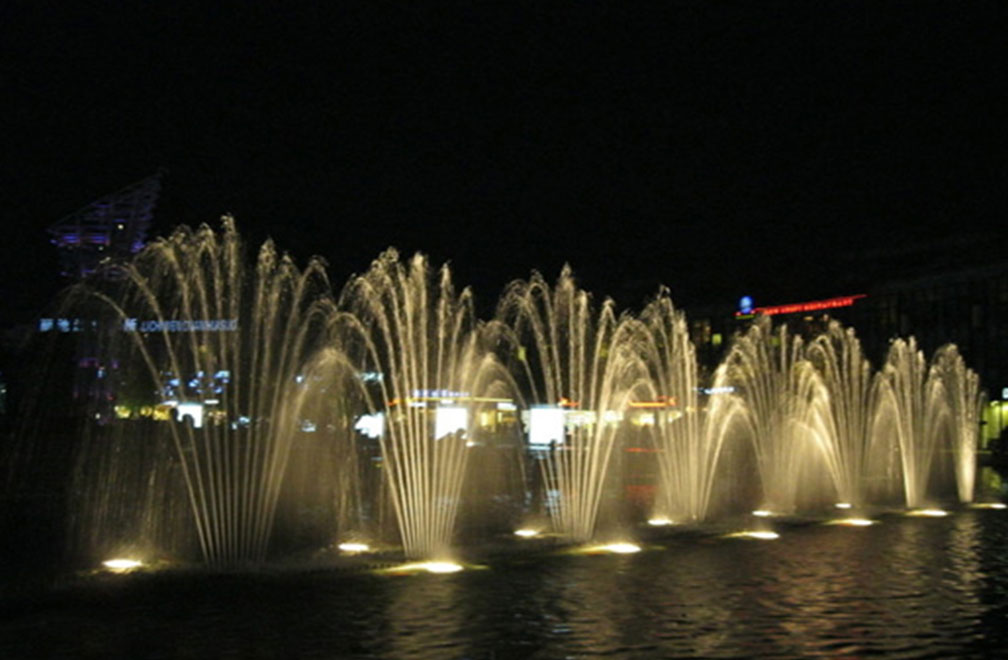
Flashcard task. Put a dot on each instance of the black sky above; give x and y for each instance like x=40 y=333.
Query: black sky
x=717 y=149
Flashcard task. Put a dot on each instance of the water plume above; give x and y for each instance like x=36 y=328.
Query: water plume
x=911 y=403
x=964 y=400
x=784 y=399
x=850 y=383
x=407 y=323
x=225 y=343
x=570 y=356
x=689 y=434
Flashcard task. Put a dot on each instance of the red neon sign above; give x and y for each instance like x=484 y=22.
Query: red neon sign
x=811 y=306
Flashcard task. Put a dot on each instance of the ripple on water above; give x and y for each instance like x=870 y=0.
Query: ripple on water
x=902 y=589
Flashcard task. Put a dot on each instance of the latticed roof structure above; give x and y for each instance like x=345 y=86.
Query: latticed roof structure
x=111 y=228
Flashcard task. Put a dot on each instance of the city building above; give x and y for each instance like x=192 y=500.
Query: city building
x=111 y=228
x=954 y=291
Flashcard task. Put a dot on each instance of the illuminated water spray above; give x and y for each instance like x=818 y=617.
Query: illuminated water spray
x=576 y=368
x=784 y=399
x=223 y=345
x=964 y=399
x=409 y=324
x=689 y=434
x=847 y=437
x=911 y=405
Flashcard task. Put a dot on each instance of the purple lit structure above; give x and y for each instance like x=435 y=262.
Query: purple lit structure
x=113 y=227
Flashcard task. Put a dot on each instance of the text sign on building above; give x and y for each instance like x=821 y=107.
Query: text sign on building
x=194 y=325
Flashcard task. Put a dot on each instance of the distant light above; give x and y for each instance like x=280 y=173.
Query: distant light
x=990 y=505
x=852 y=522
x=660 y=521
x=745 y=305
x=756 y=534
x=762 y=513
x=526 y=533
x=121 y=565
x=843 y=505
x=720 y=389
x=812 y=306
x=351 y=546
x=371 y=425
x=928 y=513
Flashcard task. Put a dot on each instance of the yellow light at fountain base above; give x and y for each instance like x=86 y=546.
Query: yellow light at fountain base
x=990 y=505
x=852 y=522
x=120 y=565
x=621 y=548
x=440 y=566
x=762 y=513
x=928 y=513
x=755 y=534
x=842 y=505
x=660 y=521
x=434 y=566
x=526 y=533
x=353 y=547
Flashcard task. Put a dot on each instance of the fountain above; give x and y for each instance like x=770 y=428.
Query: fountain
x=223 y=347
x=577 y=367
x=280 y=418
x=690 y=433
x=849 y=380
x=784 y=401
x=408 y=324
x=962 y=391
x=911 y=403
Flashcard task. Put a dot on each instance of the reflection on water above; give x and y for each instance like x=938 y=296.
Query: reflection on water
x=906 y=587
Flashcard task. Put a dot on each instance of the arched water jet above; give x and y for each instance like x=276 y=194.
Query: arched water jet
x=911 y=403
x=964 y=400
x=690 y=435
x=848 y=378
x=225 y=345
x=578 y=363
x=784 y=399
x=407 y=324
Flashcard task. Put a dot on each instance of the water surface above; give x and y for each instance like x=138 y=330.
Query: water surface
x=906 y=587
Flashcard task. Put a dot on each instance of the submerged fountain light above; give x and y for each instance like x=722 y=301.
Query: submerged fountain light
x=928 y=513
x=621 y=548
x=431 y=566
x=660 y=521
x=990 y=505
x=852 y=522
x=763 y=513
x=761 y=535
x=121 y=565
x=354 y=547
x=842 y=505
x=526 y=533
x=440 y=566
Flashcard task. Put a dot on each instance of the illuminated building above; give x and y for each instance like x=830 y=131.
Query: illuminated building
x=112 y=228
x=954 y=290
x=449 y=413
x=107 y=231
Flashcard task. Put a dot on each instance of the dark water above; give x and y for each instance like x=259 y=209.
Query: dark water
x=907 y=587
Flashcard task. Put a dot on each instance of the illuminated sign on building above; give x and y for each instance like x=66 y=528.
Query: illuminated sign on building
x=811 y=306
x=133 y=325
x=195 y=325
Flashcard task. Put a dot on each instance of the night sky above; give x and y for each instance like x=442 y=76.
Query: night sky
x=719 y=150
